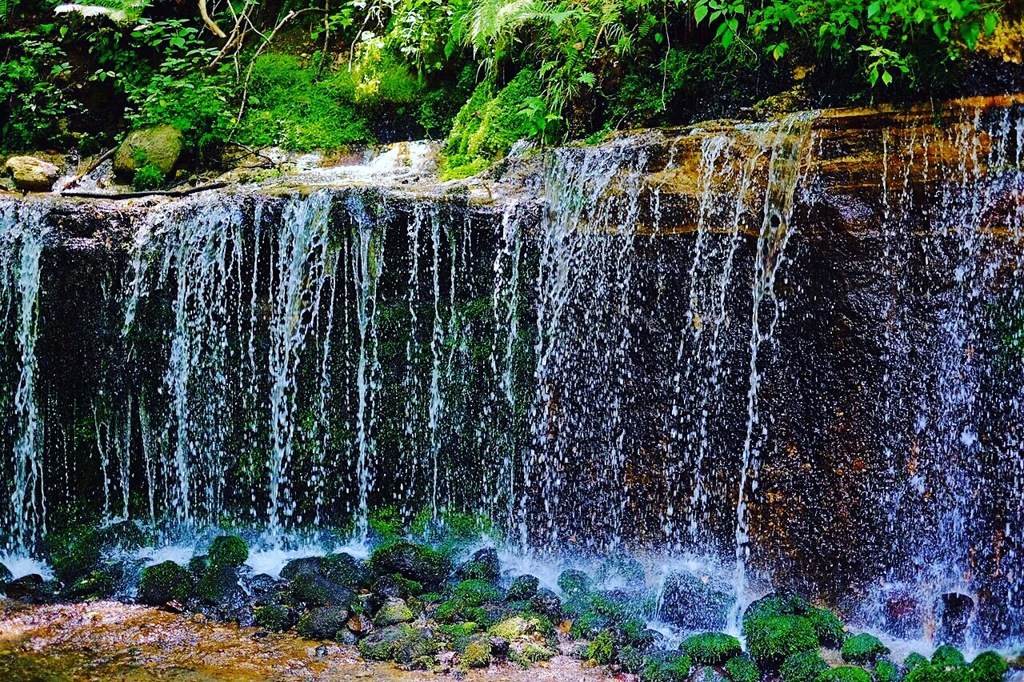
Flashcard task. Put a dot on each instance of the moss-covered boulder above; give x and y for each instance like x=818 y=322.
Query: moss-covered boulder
x=989 y=666
x=711 y=648
x=575 y=585
x=742 y=669
x=514 y=627
x=669 y=666
x=311 y=589
x=863 y=648
x=938 y=673
x=400 y=643
x=272 y=617
x=887 y=671
x=477 y=592
x=527 y=653
x=830 y=630
x=218 y=586
x=324 y=622
x=393 y=612
x=547 y=604
x=693 y=602
x=948 y=655
x=844 y=673
x=415 y=562
x=228 y=550
x=76 y=552
x=101 y=583
x=773 y=639
x=477 y=653
x=776 y=604
x=157 y=146
x=342 y=569
x=163 y=583
x=914 y=660
x=804 y=666
x=483 y=565
x=523 y=588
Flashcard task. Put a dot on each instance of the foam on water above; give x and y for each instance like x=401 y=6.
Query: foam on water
x=20 y=565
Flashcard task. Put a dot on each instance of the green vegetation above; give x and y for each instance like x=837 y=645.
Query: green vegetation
x=742 y=669
x=711 y=648
x=948 y=655
x=803 y=667
x=772 y=639
x=863 y=648
x=989 y=666
x=164 y=583
x=845 y=674
x=228 y=550
x=483 y=73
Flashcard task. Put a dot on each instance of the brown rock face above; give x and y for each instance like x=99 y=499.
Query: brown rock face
x=32 y=174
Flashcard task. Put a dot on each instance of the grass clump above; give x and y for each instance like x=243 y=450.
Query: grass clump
x=711 y=648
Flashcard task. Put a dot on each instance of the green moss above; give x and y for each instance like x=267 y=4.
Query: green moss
x=386 y=525
x=588 y=624
x=323 y=623
x=476 y=592
x=574 y=584
x=772 y=606
x=844 y=673
x=742 y=669
x=948 y=655
x=711 y=648
x=830 y=630
x=216 y=585
x=293 y=106
x=531 y=652
x=602 y=649
x=670 y=668
x=489 y=124
x=477 y=654
x=772 y=639
x=74 y=553
x=523 y=588
x=272 y=617
x=887 y=671
x=914 y=660
x=163 y=583
x=803 y=667
x=393 y=611
x=938 y=673
x=228 y=550
x=863 y=648
x=989 y=667
x=515 y=627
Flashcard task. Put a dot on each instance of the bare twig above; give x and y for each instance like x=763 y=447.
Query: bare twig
x=210 y=22
x=92 y=166
x=154 y=193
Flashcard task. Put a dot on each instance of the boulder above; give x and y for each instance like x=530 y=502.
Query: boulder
x=158 y=146
x=415 y=562
x=30 y=589
x=5 y=576
x=325 y=622
x=400 y=643
x=523 y=588
x=483 y=565
x=31 y=174
x=316 y=590
x=696 y=603
x=393 y=612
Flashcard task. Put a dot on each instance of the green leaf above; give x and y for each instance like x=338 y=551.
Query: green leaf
x=873 y=8
x=991 y=19
x=886 y=77
x=969 y=32
x=699 y=12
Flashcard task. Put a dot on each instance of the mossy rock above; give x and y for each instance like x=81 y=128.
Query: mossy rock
x=803 y=667
x=400 y=643
x=477 y=592
x=863 y=648
x=163 y=583
x=158 y=146
x=393 y=612
x=602 y=648
x=887 y=671
x=514 y=627
x=342 y=569
x=415 y=562
x=477 y=653
x=531 y=652
x=315 y=590
x=989 y=666
x=228 y=550
x=102 y=583
x=523 y=588
x=695 y=603
x=846 y=673
x=938 y=673
x=548 y=604
x=773 y=639
x=711 y=648
x=272 y=617
x=774 y=605
x=217 y=586
x=75 y=553
x=483 y=565
x=742 y=669
x=635 y=633
x=914 y=660
x=948 y=655
x=323 y=623
x=830 y=630
x=395 y=586
x=574 y=584
x=671 y=666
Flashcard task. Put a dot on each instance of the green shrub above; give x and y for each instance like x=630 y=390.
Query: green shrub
x=148 y=177
x=228 y=550
x=948 y=655
x=771 y=640
x=803 y=667
x=844 y=673
x=742 y=669
x=711 y=648
x=863 y=648
x=477 y=654
x=989 y=666
x=602 y=649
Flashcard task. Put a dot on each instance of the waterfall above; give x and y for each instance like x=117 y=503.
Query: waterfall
x=22 y=234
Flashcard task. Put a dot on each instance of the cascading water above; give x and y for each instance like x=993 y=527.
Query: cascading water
x=735 y=345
